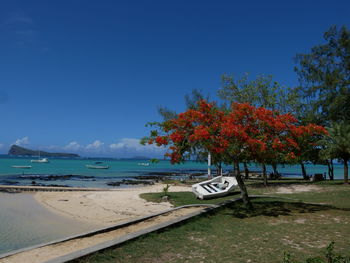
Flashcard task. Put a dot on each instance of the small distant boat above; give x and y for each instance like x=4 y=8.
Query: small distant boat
x=143 y=164
x=42 y=160
x=22 y=166
x=97 y=166
x=98 y=162
x=216 y=187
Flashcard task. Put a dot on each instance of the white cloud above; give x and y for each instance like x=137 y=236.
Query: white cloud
x=72 y=146
x=22 y=142
x=127 y=143
x=132 y=146
x=96 y=145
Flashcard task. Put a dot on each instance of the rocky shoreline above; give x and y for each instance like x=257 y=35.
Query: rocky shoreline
x=146 y=178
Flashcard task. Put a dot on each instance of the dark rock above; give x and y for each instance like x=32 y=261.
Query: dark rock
x=113 y=183
x=6 y=182
x=130 y=182
x=150 y=177
x=136 y=182
x=54 y=177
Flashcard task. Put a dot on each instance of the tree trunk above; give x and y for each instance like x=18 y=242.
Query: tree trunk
x=246 y=170
x=218 y=169
x=244 y=192
x=276 y=174
x=264 y=174
x=275 y=171
x=330 y=169
x=346 y=169
x=303 y=170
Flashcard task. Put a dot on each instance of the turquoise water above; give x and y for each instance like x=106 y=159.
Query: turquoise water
x=81 y=176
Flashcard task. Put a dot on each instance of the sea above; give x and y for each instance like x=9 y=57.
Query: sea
x=74 y=172
x=24 y=222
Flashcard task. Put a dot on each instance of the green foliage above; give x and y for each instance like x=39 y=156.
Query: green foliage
x=337 y=145
x=154 y=160
x=325 y=76
x=338 y=141
x=287 y=258
x=166 y=113
x=329 y=257
x=190 y=101
x=260 y=92
x=166 y=190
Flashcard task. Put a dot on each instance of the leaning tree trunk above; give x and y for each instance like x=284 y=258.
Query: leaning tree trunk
x=346 y=169
x=264 y=174
x=244 y=192
x=303 y=170
x=246 y=170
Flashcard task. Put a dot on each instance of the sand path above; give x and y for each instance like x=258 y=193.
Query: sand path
x=105 y=207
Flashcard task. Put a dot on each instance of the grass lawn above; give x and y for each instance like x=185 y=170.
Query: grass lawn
x=233 y=234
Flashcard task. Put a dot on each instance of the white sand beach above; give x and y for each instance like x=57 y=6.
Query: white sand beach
x=105 y=207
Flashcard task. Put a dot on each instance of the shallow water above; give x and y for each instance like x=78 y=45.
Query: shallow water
x=24 y=222
x=119 y=169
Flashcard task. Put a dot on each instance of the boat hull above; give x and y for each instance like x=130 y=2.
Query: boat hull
x=97 y=167
x=44 y=160
x=21 y=166
x=216 y=187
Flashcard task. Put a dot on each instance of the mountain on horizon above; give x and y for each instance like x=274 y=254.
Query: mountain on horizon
x=18 y=150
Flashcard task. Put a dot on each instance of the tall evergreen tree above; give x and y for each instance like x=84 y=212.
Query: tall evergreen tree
x=324 y=74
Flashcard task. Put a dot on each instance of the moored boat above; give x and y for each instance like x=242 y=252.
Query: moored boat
x=97 y=166
x=22 y=166
x=143 y=164
x=42 y=160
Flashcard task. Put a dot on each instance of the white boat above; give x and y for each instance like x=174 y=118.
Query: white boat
x=216 y=187
x=97 y=166
x=42 y=160
x=22 y=166
x=143 y=164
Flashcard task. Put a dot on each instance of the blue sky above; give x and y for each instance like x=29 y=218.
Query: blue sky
x=85 y=76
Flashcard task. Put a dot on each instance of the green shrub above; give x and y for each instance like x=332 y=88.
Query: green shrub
x=329 y=257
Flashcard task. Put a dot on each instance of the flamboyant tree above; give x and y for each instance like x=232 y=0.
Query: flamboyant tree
x=307 y=138
x=261 y=91
x=242 y=133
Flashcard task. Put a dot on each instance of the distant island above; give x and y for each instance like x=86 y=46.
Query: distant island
x=17 y=150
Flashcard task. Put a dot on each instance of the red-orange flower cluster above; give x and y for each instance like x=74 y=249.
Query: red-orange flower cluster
x=257 y=132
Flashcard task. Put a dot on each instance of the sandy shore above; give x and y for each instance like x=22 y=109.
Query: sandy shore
x=105 y=207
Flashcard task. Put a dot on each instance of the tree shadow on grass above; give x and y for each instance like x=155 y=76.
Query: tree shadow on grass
x=274 y=208
x=258 y=183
